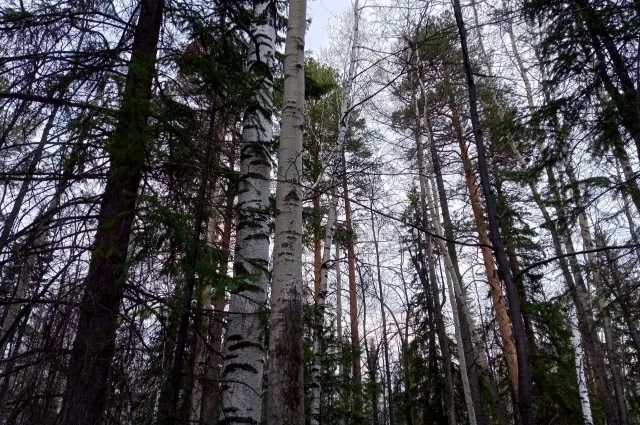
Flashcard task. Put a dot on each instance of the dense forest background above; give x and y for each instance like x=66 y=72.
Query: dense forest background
x=433 y=220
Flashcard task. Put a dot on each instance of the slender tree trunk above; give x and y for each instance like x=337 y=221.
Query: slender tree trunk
x=244 y=343
x=429 y=283
x=339 y=327
x=321 y=293
x=371 y=355
x=497 y=297
x=353 y=302
x=580 y=368
x=470 y=336
x=316 y=368
x=10 y=221
x=211 y=387
x=94 y=343
x=454 y=295
x=383 y=314
x=431 y=279
x=595 y=279
x=285 y=388
x=427 y=202
x=525 y=396
x=406 y=374
x=582 y=302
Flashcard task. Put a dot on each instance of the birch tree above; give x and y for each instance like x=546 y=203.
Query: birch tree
x=285 y=387
x=244 y=341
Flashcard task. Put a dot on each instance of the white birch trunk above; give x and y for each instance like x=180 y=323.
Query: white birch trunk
x=244 y=343
x=583 y=393
x=285 y=404
x=316 y=370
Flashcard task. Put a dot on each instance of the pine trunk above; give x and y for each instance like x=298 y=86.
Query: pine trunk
x=525 y=394
x=497 y=297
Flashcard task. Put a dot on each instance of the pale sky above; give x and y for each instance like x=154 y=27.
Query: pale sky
x=322 y=13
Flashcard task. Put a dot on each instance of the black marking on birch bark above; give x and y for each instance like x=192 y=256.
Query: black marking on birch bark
x=239 y=366
x=239 y=269
x=257 y=236
x=292 y=196
x=245 y=344
x=261 y=161
x=237 y=420
x=235 y=337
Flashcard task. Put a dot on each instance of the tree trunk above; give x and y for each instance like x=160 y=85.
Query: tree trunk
x=525 y=396
x=429 y=281
x=580 y=368
x=285 y=388
x=339 y=326
x=321 y=291
x=429 y=284
x=353 y=301
x=497 y=297
x=385 y=341
x=244 y=343
x=429 y=209
x=594 y=276
x=470 y=336
x=316 y=368
x=94 y=343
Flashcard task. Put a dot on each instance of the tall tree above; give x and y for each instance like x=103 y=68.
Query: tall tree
x=244 y=346
x=321 y=294
x=525 y=401
x=94 y=343
x=285 y=387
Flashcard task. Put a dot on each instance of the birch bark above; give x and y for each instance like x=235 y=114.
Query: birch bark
x=285 y=388
x=244 y=343
x=580 y=368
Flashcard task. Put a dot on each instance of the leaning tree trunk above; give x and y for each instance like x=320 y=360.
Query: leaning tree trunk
x=285 y=404
x=94 y=343
x=497 y=297
x=428 y=206
x=321 y=293
x=570 y=268
x=244 y=342
x=525 y=396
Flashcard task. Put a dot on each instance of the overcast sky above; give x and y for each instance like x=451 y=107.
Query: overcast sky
x=322 y=13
